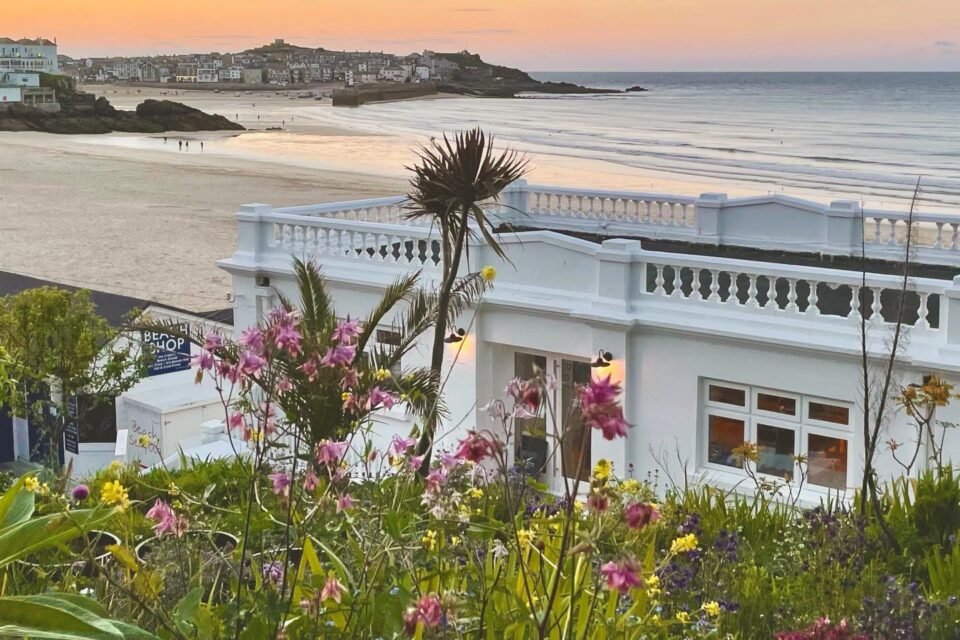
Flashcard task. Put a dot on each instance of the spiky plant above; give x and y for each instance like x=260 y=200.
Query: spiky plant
x=452 y=182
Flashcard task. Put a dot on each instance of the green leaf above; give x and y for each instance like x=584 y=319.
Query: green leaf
x=54 y=617
x=17 y=504
x=32 y=535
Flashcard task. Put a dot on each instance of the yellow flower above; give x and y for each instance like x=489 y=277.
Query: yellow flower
x=712 y=608
x=115 y=493
x=381 y=374
x=683 y=617
x=685 y=543
x=603 y=469
x=144 y=440
x=653 y=582
x=655 y=618
x=345 y=396
x=630 y=486
x=454 y=540
x=256 y=435
x=524 y=537
x=488 y=273
x=429 y=540
x=476 y=493
x=31 y=484
x=173 y=489
x=115 y=466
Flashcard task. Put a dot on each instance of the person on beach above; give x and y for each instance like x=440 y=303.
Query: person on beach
x=188 y=145
x=164 y=139
x=181 y=145
x=201 y=146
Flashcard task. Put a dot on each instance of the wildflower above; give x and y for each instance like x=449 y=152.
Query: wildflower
x=80 y=492
x=344 y=502
x=31 y=484
x=166 y=519
x=331 y=453
x=115 y=493
x=476 y=493
x=346 y=331
x=524 y=537
x=382 y=374
x=252 y=338
x=638 y=515
x=310 y=481
x=488 y=273
x=339 y=355
x=332 y=590
x=212 y=342
x=144 y=440
x=684 y=543
x=598 y=502
x=435 y=479
x=499 y=550
x=429 y=540
x=281 y=483
x=427 y=611
x=350 y=379
x=400 y=446
x=250 y=363
x=115 y=466
x=235 y=420
x=652 y=583
x=288 y=338
x=526 y=395
x=603 y=469
x=380 y=397
x=599 y=409
x=712 y=608
x=683 y=617
x=621 y=577
x=273 y=572
x=474 y=448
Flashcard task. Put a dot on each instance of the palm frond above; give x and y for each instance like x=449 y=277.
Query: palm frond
x=466 y=291
x=315 y=305
x=393 y=295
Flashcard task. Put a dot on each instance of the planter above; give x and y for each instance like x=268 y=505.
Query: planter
x=196 y=559
x=99 y=540
x=219 y=541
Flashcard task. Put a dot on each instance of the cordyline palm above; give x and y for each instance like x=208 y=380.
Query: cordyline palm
x=451 y=183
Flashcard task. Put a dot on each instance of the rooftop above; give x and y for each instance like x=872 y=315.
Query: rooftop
x=37 y=42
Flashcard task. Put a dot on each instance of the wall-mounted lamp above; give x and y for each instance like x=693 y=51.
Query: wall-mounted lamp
x=604 y=358
x=455 y=336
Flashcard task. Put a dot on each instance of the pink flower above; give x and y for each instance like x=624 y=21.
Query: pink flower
x=598 y=502
x=435 y=479
x=212 y=342
x=346 y=331
x=284 y=385
x=599 y=408
x=309 y=369
x=399 y=446
x=235 y=420
x=288 y=338
x=415 y=462
x=448 y=461
x=526 y=394
x=339 y=355
x=250 y=363
x=203 y=360
x=332 y=590
x=229 y=371
x=350 y=379
x=281 y=483
x=252 y=338
x=166 y=519
x=475 y=448
x=428 y=611
x=638 y=515
x=379 y=397
x=331 y=453
x=621 y=577
x=344 y=502
x=310 y=481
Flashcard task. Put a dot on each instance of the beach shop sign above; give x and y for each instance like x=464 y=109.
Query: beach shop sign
x=172 y=352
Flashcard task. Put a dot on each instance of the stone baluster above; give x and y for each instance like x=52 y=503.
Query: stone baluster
x=922 y=321
x=854 y=303
x=792 y=296
x=658 y=282
x=714 y=286
x=812 y=308
x=677 y=283
x=876 y=307
x=752 y=298
x=732 y=291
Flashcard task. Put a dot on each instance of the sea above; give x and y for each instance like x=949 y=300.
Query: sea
x=871 y=137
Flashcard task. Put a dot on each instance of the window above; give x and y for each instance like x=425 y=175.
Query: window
x=784 y=426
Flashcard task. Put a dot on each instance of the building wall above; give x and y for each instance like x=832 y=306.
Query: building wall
x=10 y=94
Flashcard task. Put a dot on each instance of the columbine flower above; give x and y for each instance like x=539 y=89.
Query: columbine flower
x=435 y=479
x=31 y=484
x=599 y=408
x=288 y=338
x=252 y=338
x=80 y=492
x=346 y=331
x=683 y=617
x=499 y=550
x=638 y=515
x=399 y=446
x=598 y=502
x=115 y=493
x=212 y=342
x=331 y=453
x=339 y=355
x=475 y=448
x=603 y=469
x=428 y=611
x=712 y=608
x=166 y=519
x=652 y=583
x=281 y=483
x=527 y=396
x=684 y=543
x=621 y=577
x=250 y=363
x=524 y=537
x=309 y=369
x=379 y=397
x=332 y=590
x=344 y=502
x=203 y=360
x=235 y=420
x=488 y=273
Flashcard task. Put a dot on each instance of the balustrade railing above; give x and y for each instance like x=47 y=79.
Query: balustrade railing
x=788 y=290
x=611 y=206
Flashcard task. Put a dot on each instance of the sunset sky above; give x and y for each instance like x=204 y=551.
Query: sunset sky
x=541 y=35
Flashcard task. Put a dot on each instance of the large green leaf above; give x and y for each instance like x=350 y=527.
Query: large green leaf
x=54 y=617
x=32 y=535
x=16 y=505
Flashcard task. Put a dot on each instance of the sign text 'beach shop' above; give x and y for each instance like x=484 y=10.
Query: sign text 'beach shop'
x=172 y=353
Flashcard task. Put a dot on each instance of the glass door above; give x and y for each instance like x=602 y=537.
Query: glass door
x=537 y=438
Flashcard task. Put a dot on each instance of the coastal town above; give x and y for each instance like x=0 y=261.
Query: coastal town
x=305 y=344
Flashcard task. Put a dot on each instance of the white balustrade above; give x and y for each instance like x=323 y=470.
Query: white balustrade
x=792 y=291
x=610 y=206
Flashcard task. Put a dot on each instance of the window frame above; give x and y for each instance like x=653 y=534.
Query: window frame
x=801 y=425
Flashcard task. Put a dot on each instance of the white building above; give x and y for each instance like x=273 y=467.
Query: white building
x=676 y=290
x=208 y=71
x=27 y=55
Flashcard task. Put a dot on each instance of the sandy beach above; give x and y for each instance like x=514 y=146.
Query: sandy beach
x=132 y=215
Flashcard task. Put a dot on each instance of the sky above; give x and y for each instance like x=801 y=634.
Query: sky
x=535 y=35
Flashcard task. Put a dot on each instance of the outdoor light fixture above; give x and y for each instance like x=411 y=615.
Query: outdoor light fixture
x=603 y=360
x=455 y=336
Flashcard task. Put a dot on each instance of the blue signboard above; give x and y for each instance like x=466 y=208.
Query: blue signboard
x=172 y=353
x=71 y=433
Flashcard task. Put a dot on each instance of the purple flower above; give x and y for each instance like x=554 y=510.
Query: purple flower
x=203 y=360
x=212 y=342
x=252 y=338
x=331 y=453
x=379 y=397
x=250 y=363
x=344 y=502
x=273 y=572
x=599 y=408
x=288 y=338
x=346 y=331
x=621 y=577
x=339 y=355
x=80 y=492
x=400 y=446
x=281 y=483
